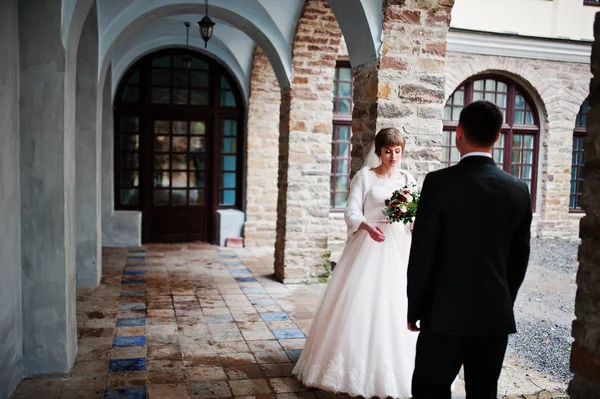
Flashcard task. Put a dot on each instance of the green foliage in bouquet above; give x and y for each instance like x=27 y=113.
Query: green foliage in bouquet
x=402 y=206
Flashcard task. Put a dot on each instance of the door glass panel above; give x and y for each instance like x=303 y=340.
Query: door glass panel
x=131 y=94
x=229 y=145
x=161 y=77
x=180 y=144
x=179 y=197
x=181 y=79
x=161 y=179
x=180 y=96
x=227 y=198
x=229 y=128
x=130 y=142
x=162 y=127
x=229 y=163
x=197 y=179
x=130 y=197
x=161 y=162
x=161 y=143
x=130 y=178
x=200 y=79
x=196 y=197
x=197 y=128
x=179 y=161
x=161 y=96
x=179 y=179
x=199 y=97
x=180 y=127
x=197 y=144
x=130 y=124
x=129 y=160
x=196 y=162
x=162 y=61
x=161 y=197
x=228 y=180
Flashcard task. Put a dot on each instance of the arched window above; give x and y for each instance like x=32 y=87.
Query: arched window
x=577 y=162
x=342 y=128
x=516 y=151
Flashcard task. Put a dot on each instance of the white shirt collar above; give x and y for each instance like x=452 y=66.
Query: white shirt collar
x=476 y=154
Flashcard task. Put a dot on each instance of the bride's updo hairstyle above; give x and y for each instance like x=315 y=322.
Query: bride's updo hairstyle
x=388 y=137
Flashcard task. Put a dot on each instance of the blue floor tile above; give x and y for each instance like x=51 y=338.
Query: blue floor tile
x=131 y=322
x=124 y=365
x=134 y=272
x=263 y=302
x=274 y=316
x=133 y=293
x=134 y=251
x=239 y=271
x=132 y=306
x=133 y=282
x=288 y=333
x=227 y=256
x=253 y=290
x=126 y=393
x=136 y=340
x=293 y=354
x=137 y=257
x=246 y=279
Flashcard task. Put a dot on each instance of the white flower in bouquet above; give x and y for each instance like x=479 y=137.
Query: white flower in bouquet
x=409 y=198
x=403 y=208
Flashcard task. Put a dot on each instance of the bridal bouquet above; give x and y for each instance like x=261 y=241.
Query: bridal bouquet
x=402 y=207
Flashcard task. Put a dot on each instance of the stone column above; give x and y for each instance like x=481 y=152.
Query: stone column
x=87 y=174
x=305 y=147
x=585 y=353
x=406 y=89
x=47 y=194
x=11 y=325
x=262 y=154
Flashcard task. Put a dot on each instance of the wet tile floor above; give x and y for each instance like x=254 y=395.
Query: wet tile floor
x=186 y=321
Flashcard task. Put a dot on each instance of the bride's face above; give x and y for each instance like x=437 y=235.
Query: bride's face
x=390 y=156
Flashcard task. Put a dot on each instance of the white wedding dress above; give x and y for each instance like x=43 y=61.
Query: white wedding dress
x=359 y=343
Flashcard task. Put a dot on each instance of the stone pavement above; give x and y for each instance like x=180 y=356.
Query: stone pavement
x=189 y=321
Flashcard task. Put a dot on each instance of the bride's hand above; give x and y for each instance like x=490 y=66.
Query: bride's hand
x=375 y=232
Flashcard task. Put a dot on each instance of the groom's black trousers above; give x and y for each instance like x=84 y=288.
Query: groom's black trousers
x=439 y=358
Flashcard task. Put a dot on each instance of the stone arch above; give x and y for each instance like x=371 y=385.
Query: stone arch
x=559 y=101
x=259 y=26
x=305 y=146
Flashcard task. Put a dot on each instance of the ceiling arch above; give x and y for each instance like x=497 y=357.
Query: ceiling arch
x=253 y=20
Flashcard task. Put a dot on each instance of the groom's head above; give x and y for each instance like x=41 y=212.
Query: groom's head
x=478 y=126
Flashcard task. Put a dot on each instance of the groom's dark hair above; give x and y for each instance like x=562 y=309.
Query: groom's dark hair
x=481 y=121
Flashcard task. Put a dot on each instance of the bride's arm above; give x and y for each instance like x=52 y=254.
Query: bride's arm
x=353 y=213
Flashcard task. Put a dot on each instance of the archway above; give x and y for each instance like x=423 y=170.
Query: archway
x=178 y=122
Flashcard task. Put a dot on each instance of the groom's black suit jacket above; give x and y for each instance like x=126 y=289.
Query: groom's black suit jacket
x=470 y=249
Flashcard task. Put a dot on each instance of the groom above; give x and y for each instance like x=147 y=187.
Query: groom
x=470 y=249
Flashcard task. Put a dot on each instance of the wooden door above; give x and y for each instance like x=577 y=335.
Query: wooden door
x=178 y=145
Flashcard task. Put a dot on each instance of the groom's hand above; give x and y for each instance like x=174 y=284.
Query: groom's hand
x=413 y=327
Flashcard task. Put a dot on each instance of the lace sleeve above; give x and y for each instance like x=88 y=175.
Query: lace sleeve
x=354 y=212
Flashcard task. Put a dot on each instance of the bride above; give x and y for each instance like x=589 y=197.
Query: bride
x=358 y=343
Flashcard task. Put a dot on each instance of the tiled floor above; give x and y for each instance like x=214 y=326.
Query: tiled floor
x=186 y=321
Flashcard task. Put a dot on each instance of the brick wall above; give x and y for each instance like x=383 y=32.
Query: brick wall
x=262 y=154
x=305 y=147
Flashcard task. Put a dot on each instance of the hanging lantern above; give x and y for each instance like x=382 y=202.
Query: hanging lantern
x=206 y=25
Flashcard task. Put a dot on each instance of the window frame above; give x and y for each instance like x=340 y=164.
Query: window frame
x=579 y=132
x=340 y=119
x=507 y=129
